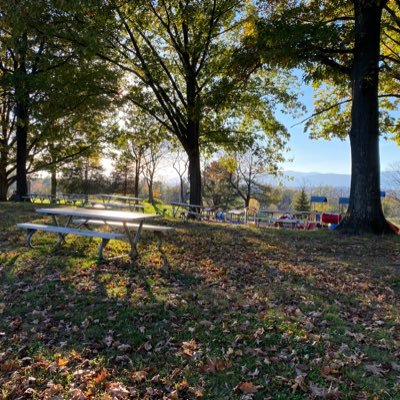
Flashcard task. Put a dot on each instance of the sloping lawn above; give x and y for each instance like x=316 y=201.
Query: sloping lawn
x=242 y=313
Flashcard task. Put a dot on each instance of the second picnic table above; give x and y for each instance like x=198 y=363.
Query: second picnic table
x=108 y=201
x=189 y=209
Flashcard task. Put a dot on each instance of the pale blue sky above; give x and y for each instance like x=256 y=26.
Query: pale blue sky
x=326 y=156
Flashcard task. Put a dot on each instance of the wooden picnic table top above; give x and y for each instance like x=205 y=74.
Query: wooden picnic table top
x=102 y=214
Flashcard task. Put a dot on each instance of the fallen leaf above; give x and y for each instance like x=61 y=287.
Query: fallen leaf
x=100 y=376
x=189 y=347
x=139 y=376
x=299 y=383
x=118 y=391
x=323 y=393
x=247 y=387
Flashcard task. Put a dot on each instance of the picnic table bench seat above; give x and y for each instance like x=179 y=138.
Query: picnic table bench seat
x=158 y=230
x=63 y=231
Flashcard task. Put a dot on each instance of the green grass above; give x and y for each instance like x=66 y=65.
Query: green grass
x=240 y=309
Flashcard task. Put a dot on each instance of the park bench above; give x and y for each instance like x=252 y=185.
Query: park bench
x=158 y=230
x=63 y=231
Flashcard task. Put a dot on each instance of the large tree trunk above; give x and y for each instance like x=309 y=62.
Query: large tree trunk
x=22 y=118
x=194 y=176
x=3 y=183
x=53 y=184
x=137 y=178
x=192 y=149
x=3 y=175
x=181 y=189
x=125 y=190
x=151 y=191
x=22 y=149
x=365 y=213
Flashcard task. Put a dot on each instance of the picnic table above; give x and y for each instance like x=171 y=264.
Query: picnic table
x=241 y=215
x=186 y=210
x=130 y=223
x=42 y=197
x=121 y=202
x=237 y=216
x=282 y=218
x=74 y=198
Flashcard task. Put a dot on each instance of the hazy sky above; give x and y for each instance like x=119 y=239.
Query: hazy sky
x=326 y=156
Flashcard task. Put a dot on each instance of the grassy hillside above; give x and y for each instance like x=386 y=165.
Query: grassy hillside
x=240 y=313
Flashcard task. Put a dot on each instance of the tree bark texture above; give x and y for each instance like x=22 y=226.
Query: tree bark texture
x=53 y=182
x=22 y=148
x=194 y=175
x=137 y=179
x=3 y=172
x=3 y=183
x=181 y=189
x=365 y=213
x=151 y=191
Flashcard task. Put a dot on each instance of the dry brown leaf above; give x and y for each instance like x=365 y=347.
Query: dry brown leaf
x=323 y=393
x=62 y=361
x=174 y=395
x=139 y=376
x=198 y=393
x=189 y=347
x=299 y=383
x=118 y=391
x=100 y=376
x=247 y=387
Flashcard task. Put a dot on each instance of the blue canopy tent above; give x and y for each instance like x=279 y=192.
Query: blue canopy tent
x=314 y=200
x=317 y=199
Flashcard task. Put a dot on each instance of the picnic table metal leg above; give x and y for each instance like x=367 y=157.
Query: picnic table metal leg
x=102 y=245
x=29 y=238
x=133 y=240
x=61 y=237
x=159 y=237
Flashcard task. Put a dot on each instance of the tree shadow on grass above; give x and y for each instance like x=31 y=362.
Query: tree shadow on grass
x=228 y=288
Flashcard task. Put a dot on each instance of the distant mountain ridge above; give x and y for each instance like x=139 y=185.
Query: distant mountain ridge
x=296 y=179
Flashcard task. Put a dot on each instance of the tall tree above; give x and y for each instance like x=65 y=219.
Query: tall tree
x=327 y=41
x=185 y=68
x=152 y=157
x=301 y=201
x=246 y=167
x=44 y=77
x=7 y=143
x=134 y=140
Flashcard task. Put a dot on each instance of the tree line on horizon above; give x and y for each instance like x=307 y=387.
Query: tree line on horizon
x=204 y=76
